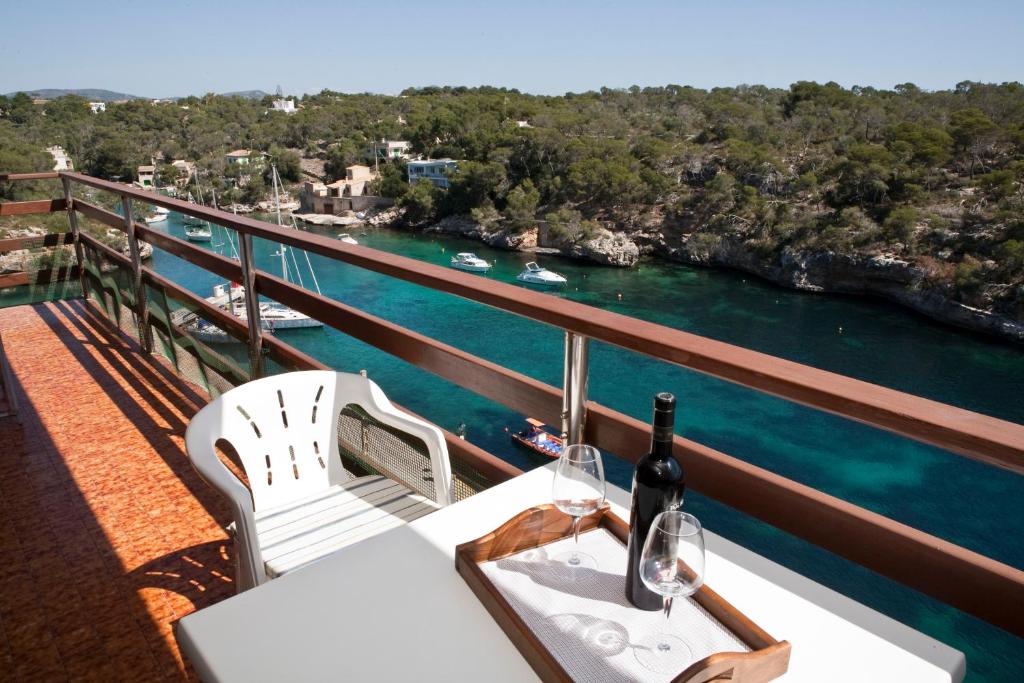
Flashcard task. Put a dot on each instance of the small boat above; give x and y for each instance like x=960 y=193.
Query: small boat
x=347 y=238
x=198 y=233
x=535 y=275
x=470 y=262
x=156 y=218
x=162 y=210
x=535 y=437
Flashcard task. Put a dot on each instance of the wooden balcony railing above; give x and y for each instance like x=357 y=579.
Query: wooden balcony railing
x=976 y=584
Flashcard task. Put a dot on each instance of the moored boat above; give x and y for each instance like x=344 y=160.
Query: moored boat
x=198 y=233
x=536 y=275
x=156 y=218
x=347 y=238
x=536 y=438
x=273 y=316
x=470 y=262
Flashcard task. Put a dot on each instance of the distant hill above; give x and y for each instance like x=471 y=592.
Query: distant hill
x=91 y=94
x=249 y=94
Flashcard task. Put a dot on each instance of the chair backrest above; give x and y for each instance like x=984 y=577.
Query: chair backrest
x=285 y=431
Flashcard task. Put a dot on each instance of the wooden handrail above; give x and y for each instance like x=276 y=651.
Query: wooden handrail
x=980 y=437
x=33 y=206
x=976 y=584
x=42 y=175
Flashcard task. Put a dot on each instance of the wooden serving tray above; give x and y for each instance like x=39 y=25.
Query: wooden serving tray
x=545 y=524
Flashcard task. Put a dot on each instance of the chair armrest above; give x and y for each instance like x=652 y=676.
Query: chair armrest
x=381 y=409
x=200 y=443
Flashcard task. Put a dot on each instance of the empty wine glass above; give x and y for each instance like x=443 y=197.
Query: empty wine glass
x=578 y=490
x=671 y=565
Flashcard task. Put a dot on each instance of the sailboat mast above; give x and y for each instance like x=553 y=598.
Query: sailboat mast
x=277 y=207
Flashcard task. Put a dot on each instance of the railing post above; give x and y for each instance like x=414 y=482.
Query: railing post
x=574 y=387
x=252 y=305
x=141 y=304
x=567 y=384
x=69 y=201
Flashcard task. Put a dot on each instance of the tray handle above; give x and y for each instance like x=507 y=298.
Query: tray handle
x=737 y=667
x=531 y=528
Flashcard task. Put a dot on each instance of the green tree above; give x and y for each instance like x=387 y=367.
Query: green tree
x=112 y=157
x=340 y=156
x=419 y=202
x=392 y=182
x=973 y=132
x=900 y=223
x=567 y=226
x=521 y=207
x=929 y=145
x=473 y=183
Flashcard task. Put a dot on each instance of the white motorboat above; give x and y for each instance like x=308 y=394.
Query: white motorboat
x=347 y=238
x=198 y=233
x=163 y=211
x=470 y=262
x=535 y=275
x=156 y=218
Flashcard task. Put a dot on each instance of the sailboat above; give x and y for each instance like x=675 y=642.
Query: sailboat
x=196 y=229
x=231 y=296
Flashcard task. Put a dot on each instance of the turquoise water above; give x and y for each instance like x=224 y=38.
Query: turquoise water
x=976 y=506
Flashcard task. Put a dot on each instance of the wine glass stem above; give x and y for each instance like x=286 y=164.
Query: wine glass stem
x=575 y=558
x=663 y=645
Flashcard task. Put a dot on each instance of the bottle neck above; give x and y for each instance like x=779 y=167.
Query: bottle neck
x=661 y=444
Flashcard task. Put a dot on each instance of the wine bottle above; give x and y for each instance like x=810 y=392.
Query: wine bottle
x=658 y=485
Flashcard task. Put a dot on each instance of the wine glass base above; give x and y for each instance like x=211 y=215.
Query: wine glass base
x=663 y=653
x=575 y=560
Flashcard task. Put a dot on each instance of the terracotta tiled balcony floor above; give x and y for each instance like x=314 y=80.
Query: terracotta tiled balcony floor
x=107 y=536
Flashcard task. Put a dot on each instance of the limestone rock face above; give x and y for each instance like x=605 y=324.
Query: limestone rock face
x=512 y=241
x=609 y=249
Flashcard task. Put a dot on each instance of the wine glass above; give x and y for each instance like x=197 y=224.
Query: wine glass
x=671 y=565
x=578 y=490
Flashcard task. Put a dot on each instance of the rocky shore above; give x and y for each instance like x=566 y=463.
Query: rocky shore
x=883 y=275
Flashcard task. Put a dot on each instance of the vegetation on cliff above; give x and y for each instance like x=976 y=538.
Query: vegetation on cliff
x=932 y=178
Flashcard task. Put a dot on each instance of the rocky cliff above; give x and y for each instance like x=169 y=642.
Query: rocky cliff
x=882 y=274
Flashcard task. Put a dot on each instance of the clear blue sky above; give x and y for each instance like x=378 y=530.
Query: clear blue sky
x=163 y=48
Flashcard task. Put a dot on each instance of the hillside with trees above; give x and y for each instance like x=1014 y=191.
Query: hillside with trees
x=910 y=194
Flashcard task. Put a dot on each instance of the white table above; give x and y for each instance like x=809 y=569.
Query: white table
x=393 y=608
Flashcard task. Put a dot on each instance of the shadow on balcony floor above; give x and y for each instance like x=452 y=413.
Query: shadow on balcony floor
x=107 y=535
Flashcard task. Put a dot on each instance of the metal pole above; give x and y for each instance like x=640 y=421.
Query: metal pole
x=567 y=384
x=252 y=305
x=578 y=395
x=69 y=201
x=141 y=305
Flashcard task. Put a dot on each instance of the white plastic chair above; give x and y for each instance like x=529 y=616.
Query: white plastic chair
x=301 y=503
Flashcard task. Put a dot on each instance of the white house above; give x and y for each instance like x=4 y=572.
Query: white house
x=97 y=107
x=61 y=160
x=185 y=171
x=390 y=150
x=286 y=106
x=239 y=157
x=146 y=177
x=434 y=170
